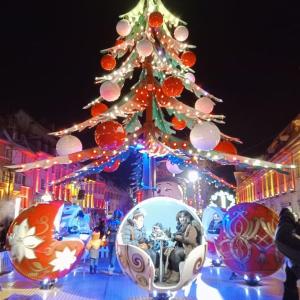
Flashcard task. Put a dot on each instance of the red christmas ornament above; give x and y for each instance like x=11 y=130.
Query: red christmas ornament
x=142 y=96
x=112 y=168
x=226 y=147
x=156 y=19
x=161 y=98
x=119 y=42
x=178 y=124
x=108 y=62
x=110 y=135
x=188 y=58
x=34 y=251
x=98 y=109
x=172 y=87
x=174 y=145
x=246 y=240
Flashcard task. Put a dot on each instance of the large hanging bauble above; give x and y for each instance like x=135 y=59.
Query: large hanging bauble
x=108 y=62
x=162 y=99
x=114 y=167
x=144 y=48
x=156 y=19
x=110 y=135
x=246 y=240
x=190 y=77
x=173 y=168
x=172 y=87
x=98 y=109
x=226 y=147
x=142 y=96
x=205 y=136
x=123 y=28
x=205 y=105
x=181 y=33
x=119 y=42
x=178 y=124
x=110 y=91
x=188 y=58
x=165 y=213
x=68 y=144
x=34 y=250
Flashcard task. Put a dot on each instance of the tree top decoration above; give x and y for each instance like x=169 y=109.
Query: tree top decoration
x=152 y=45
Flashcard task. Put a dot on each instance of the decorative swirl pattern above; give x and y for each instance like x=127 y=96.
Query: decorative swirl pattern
x=137 y=263
x=246 y=241
x=44 y=220
x=197 y=266
x=141 y=280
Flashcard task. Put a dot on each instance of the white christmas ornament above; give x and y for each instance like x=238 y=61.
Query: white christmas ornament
x=68 y=144
x=181 y=33
x=173 y=168
x=205 y=136
x=190 y=77
x=205 y=105
x=144 y=48
x=110 y=91
x=123 y=28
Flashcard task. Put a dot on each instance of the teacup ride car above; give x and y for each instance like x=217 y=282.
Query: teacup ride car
x=138 y=265
x=37 y=249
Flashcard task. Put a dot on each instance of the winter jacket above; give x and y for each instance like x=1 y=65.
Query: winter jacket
x=287 y=237
x=132 y=235
x=112 y=229
x=186 y=237
x=94 y=245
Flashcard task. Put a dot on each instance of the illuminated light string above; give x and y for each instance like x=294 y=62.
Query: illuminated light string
x=205 y=174
x=154 y=148
x=225 y=197
x=94 y=167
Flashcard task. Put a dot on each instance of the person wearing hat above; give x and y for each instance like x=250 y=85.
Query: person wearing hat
x=134 y=233
x=287 y=239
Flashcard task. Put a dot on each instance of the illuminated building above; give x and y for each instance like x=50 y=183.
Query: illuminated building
x=271 y=188
x=23 y=140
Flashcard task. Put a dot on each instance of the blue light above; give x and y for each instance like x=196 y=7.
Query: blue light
x=139 y=146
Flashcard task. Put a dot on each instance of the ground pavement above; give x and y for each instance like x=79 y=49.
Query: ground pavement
x=212 y=284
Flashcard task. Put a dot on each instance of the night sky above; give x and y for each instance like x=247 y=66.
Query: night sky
x=248 y=55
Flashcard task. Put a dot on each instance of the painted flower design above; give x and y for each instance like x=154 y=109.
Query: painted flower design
x=64 y=259
x=23 y=241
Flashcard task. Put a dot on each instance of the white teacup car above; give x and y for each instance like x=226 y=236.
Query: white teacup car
x=136 y=260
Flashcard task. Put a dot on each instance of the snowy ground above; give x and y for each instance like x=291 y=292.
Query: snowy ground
x=212 y=284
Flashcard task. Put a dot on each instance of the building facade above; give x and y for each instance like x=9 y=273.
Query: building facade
x=23 y=140
x=273 y=189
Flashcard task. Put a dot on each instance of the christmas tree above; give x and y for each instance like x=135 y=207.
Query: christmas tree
x=152 y=50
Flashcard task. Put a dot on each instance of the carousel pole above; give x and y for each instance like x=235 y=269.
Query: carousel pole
x=149 y=163
x=149 y=176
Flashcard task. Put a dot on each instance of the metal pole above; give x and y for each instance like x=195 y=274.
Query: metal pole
x=149 y=176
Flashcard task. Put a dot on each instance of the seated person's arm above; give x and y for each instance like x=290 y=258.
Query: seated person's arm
x=126 y=236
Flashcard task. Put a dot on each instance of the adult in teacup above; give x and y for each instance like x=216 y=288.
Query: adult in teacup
x=134 y=233
x=187 y=237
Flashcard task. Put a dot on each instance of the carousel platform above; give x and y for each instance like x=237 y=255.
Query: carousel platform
x=212 y=284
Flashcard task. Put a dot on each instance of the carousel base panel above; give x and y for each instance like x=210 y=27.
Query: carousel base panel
x=213 y=283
